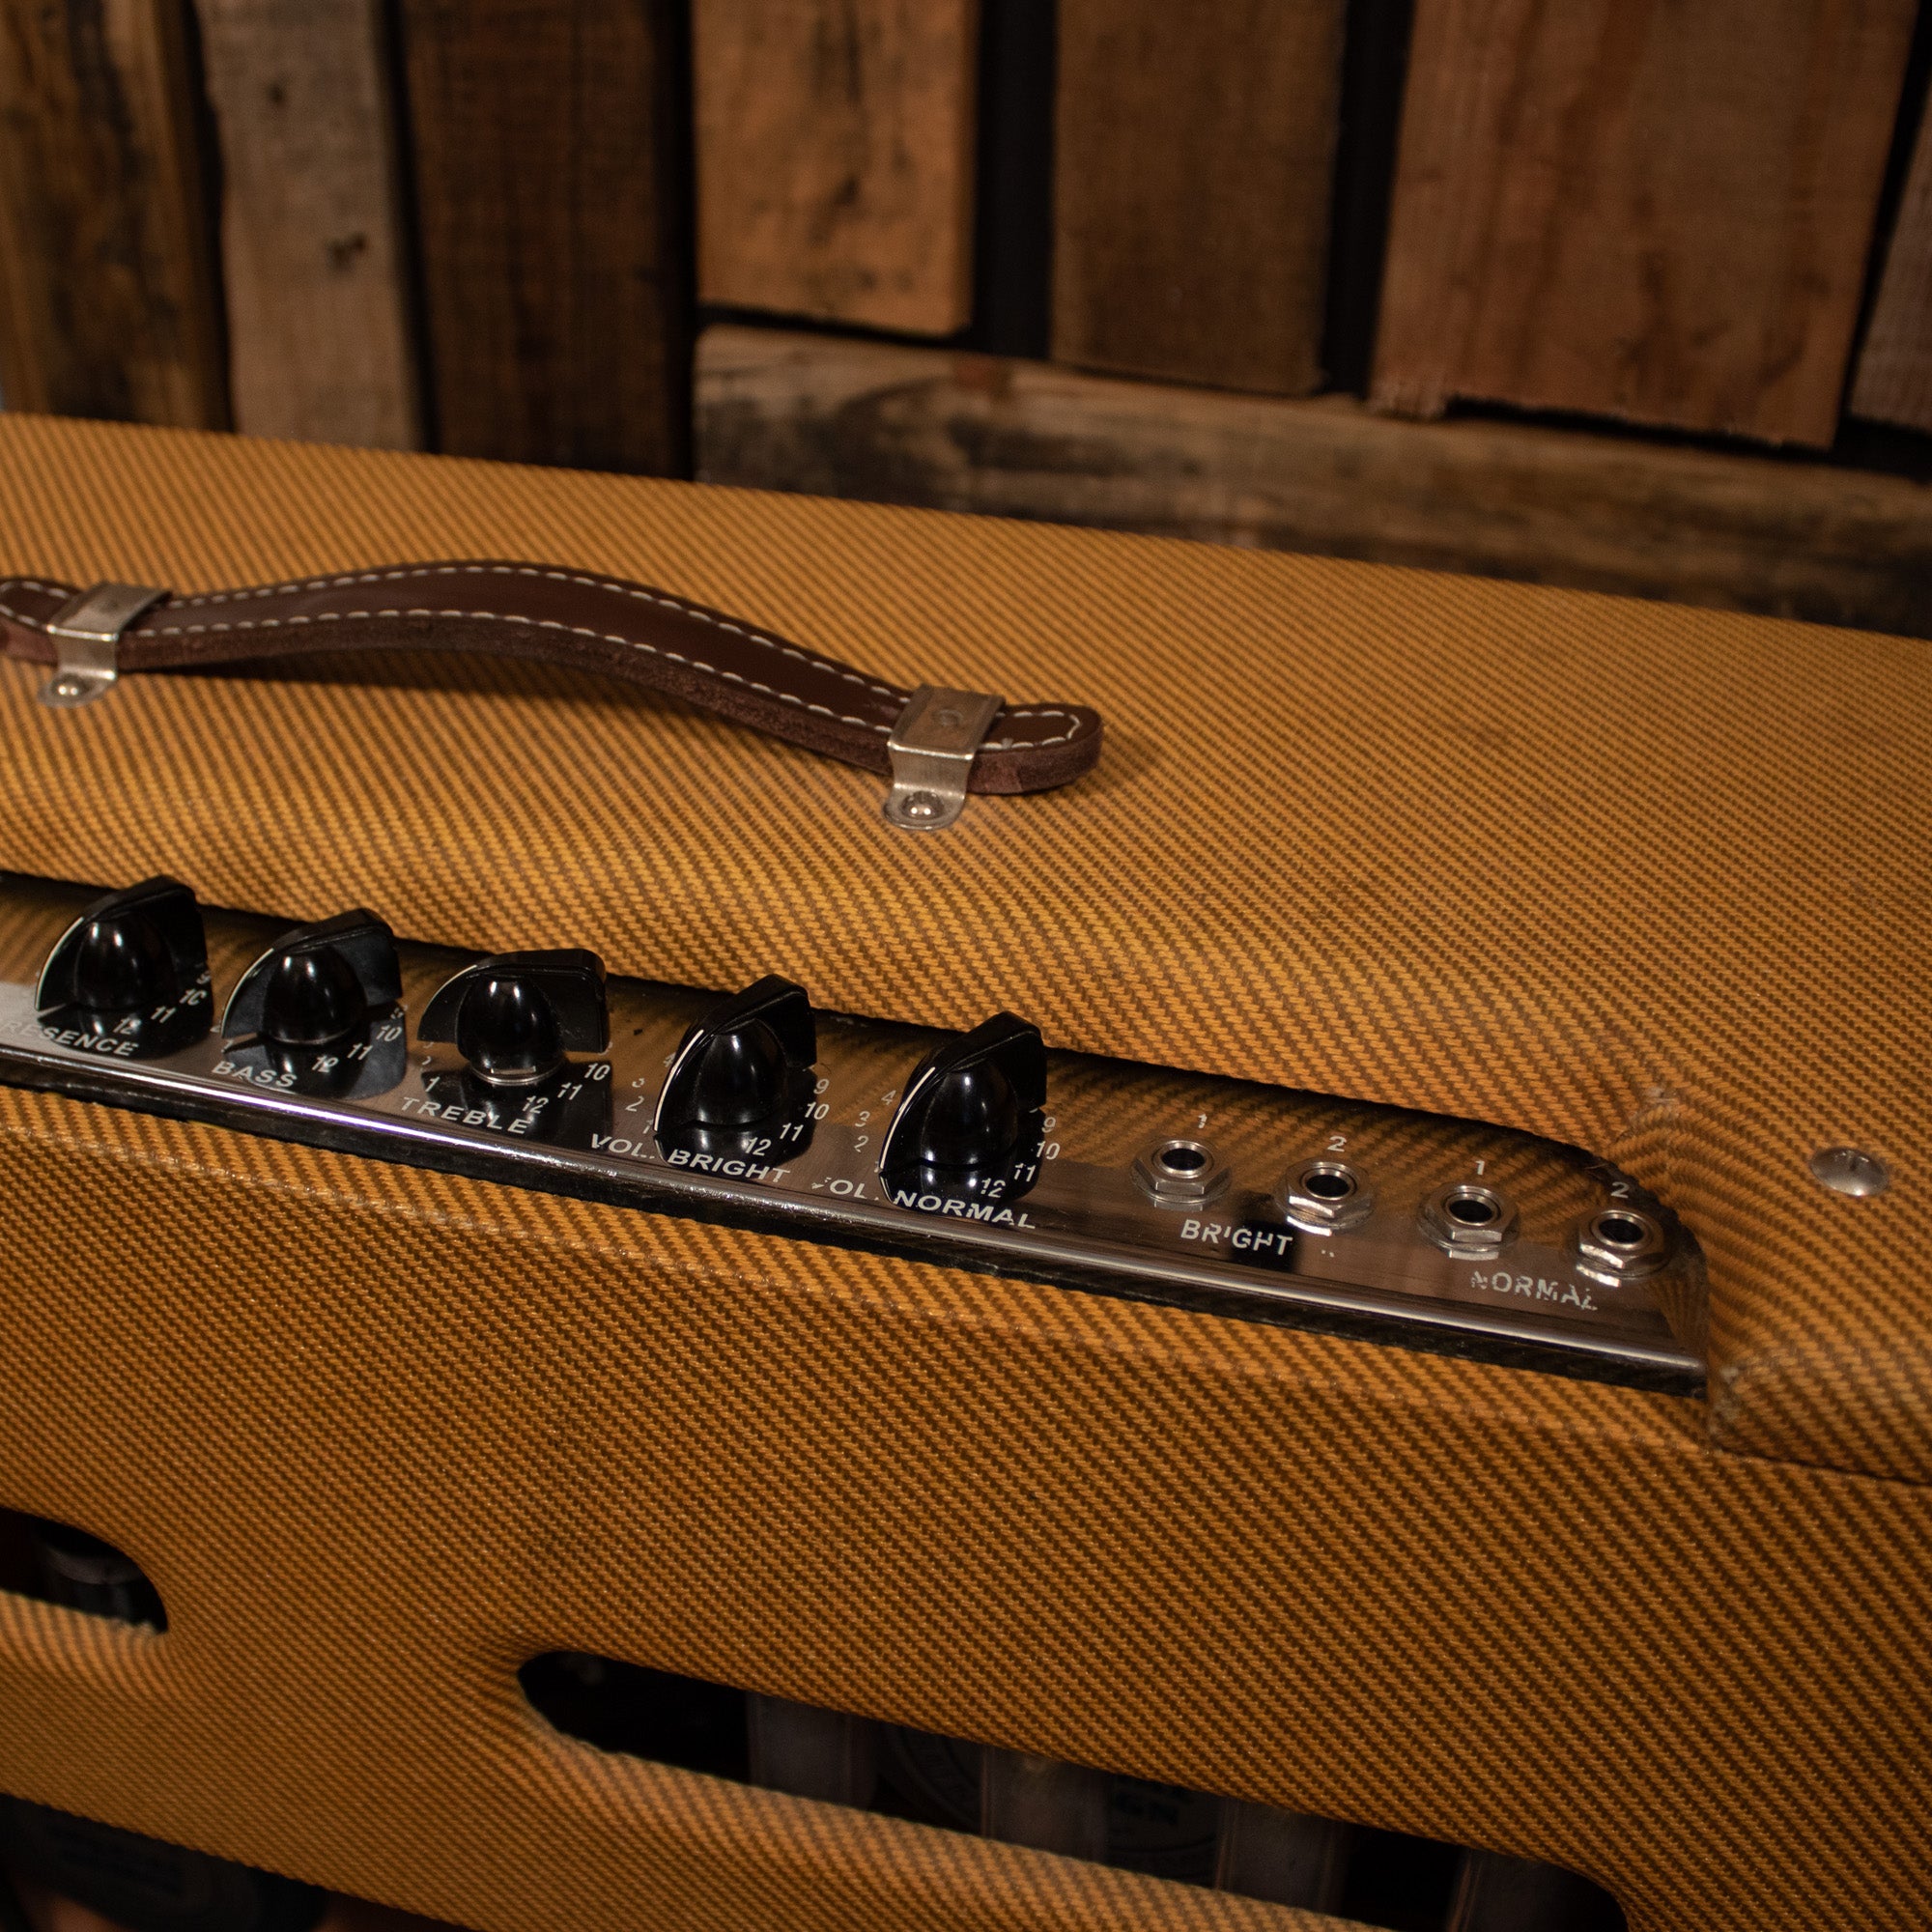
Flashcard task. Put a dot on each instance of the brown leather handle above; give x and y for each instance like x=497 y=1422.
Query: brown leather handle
x=570 y=617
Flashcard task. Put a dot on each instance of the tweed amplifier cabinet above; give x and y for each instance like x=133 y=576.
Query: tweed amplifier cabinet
x=736 y=1212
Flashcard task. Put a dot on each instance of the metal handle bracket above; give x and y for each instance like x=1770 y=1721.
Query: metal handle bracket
x=932 y=748
x=87 y=633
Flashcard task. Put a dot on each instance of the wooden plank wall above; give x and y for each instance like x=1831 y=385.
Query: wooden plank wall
x=1656 y=212
x=1192 y=190
x=961 y=432
x=107 y=287
x=552 y=227
x=312 y=223
x=1894 y=384
x=835 y=159
x=485 y=226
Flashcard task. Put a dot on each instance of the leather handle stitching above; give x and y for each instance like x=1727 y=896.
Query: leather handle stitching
x=590 y=582
x=635 y=590
x=1006 y=744
x=531 y=623
x=30 y=584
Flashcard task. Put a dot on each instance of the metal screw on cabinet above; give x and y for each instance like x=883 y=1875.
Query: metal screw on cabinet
x=1848 y=1170
x=921 y=804
x=68 y=687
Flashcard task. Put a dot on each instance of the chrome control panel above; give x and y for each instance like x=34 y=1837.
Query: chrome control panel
x=984 y=1150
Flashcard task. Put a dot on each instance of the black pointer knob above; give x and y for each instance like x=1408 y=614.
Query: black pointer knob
x=317 y=984
x=738 y=1064
x=967 y=1102
x=129 y=950
x=514 y=1017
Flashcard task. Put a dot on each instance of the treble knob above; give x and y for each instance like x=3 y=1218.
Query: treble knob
x=516 y=1016
x=317 y=984
x=740 y=1063
x=127 y=951
x=967 y=1103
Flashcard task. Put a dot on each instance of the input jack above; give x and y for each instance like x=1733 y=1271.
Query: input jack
x=1180 y=1173
x=1619 y=1243
x=1327 y=1197
x=1468 y=1220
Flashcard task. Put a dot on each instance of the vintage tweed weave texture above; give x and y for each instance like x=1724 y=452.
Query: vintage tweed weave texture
x=1649 y=879
x=379 y=1434
x=1646 y=879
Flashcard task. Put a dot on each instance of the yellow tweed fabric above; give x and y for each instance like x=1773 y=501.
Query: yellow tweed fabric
x=1646 y=879
x=379 y=1434
x=1609 y=871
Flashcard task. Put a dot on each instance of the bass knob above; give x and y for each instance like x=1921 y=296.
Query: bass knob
x=317 y=984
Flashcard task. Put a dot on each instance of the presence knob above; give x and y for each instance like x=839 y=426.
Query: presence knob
x=514 y=1017
x=127 y=951
x=966 y=1104
x=740 y=1063
x=317 y=984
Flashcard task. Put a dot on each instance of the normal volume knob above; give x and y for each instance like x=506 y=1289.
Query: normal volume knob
x=317 y=984
x=739 y=1064
x=515 y=1017
x=967 y=1103
x=127 y=951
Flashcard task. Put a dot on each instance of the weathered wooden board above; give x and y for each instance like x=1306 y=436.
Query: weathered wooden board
x=1791 y=538
x=311 y=223
x=1655 y=211
x=835 y=159
x=1193 y=178
x=1013 y=179
x=1894 y=378
x=108 y=301
x=552 y=194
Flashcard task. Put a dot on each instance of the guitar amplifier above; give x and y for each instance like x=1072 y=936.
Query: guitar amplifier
x=726 y=1211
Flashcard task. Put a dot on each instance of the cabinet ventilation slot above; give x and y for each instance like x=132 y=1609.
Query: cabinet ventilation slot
x=60 y=1564
x=1377 y=1878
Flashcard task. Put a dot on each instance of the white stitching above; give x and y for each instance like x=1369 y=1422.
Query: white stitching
x=643 y=595
x=531 y=623
x=635 y=590
x=162 y=628
x=60 y=590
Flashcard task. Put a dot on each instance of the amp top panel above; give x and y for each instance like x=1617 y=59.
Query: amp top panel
x=986 y=1150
